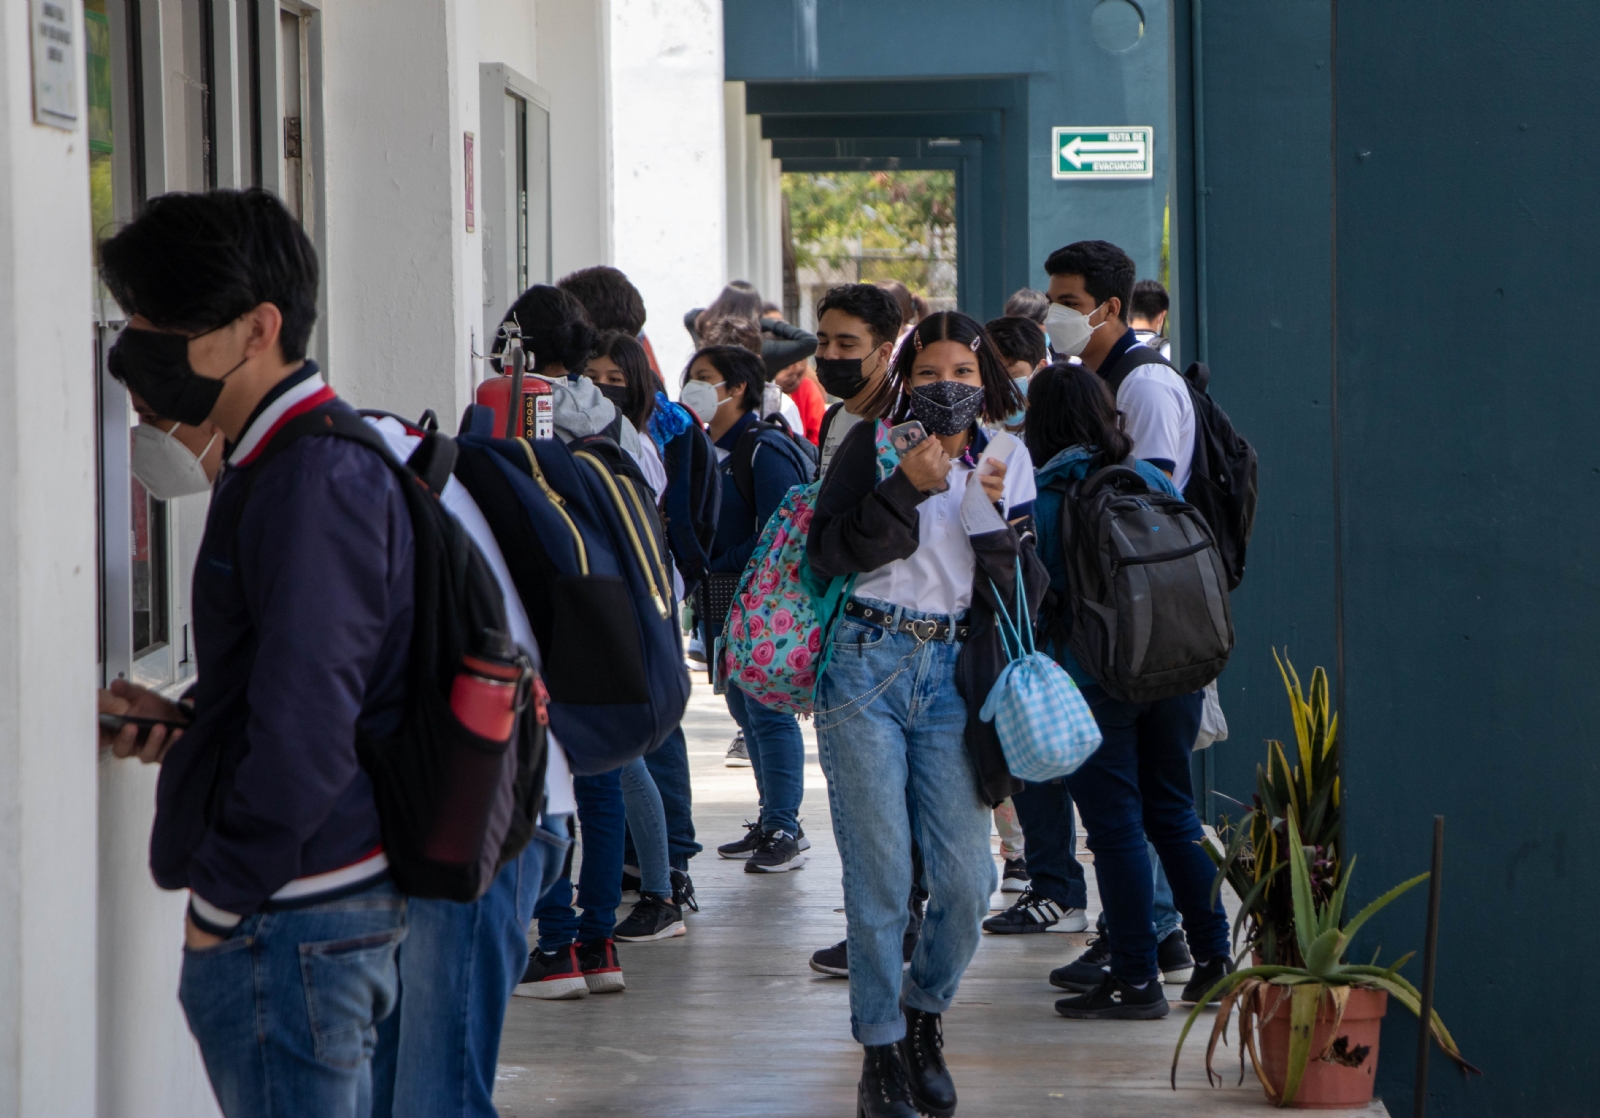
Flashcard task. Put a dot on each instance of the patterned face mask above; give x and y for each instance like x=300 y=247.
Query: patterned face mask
x=946 y=407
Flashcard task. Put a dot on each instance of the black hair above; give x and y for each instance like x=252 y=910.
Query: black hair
x=1027 y=303
x=739 y=299
x=730 y=331
x=1106 y=270
x=739 y=368
x=554 y=329
x=1017 y=339
x=196 y=262
x=1000 y=395
x=628 y=355
x=771 y=308
x=607 y=297
x=1148 y=300
x=1071 y=405
x=868 y=302
x=903 y=298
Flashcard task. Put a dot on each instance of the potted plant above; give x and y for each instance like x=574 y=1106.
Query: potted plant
x=1309 y=1020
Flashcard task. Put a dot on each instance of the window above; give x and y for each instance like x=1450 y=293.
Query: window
x=515 y=173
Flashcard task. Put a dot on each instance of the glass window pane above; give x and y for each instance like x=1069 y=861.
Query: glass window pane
x=150 y=613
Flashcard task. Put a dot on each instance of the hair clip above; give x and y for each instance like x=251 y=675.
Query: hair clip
x=977 y=339
x=916 y=340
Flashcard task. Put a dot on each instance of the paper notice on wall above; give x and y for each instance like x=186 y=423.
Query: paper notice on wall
x=55 y=64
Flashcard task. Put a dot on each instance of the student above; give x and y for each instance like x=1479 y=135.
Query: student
x=858 y=325
x=723 y=386
x=612 y=303
x=618 y=366
x=1027 y=303
x=800 y=385
x=904 y=753
x=1021 y=346
x=781 y=344
x=901 y=294
x=303 y=627
x=1137 y=783
x=1148 y=316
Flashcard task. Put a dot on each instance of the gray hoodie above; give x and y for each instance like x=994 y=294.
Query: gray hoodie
x=581 y=410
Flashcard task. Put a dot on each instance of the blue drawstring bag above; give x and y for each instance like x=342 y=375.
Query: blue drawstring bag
x=1045 y=726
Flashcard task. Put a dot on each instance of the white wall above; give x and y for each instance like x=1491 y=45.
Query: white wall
x=572 y=56
x=47 y=604
x=667 y=141
x=508 y=32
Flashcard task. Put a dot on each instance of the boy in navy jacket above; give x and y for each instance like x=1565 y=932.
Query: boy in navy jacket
x=302 y=618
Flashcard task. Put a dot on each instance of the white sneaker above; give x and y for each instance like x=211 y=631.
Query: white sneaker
x=1072 y=920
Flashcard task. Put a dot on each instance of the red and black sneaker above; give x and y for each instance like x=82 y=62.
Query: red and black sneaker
x=601 y=969
x=553 y=976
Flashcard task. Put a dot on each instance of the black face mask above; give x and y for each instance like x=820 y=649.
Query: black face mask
x=156 y=366
x=946 y=407
x=616 y=393
x=841 y=376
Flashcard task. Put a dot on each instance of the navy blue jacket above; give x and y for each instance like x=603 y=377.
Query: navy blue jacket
x=302 y=629
x=777 y=469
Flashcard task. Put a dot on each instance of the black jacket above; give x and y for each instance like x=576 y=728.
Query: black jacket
x=860 y=524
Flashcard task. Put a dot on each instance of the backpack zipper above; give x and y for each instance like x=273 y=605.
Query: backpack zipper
x=560 y=504
x=1163 y=557
x=633 y=495
x=633 y=532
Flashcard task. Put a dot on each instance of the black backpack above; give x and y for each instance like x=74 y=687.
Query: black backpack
x=453 y=807
x=741 y=462
x=1147 y=596
x=1222 y=473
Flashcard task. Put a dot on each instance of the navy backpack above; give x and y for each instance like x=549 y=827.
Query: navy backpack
x=587 y=554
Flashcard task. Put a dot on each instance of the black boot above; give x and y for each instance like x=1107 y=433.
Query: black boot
x=932 y=1089
x=884 y=1091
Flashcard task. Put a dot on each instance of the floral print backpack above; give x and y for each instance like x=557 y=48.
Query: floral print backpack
x=775 y=642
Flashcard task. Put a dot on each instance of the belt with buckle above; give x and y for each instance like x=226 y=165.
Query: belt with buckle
x=924 y=629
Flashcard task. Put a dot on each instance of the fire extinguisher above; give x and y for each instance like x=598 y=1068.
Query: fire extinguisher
x=523 y=406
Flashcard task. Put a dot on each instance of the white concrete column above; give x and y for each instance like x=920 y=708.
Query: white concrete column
x=403 y=275
x=574 y=66
x=47 y=599
x=735 y=133
x=670 y=175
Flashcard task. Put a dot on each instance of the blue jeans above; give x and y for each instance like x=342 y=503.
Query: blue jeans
x=437 y=1054
x=777 y=756
x=669 y=765
x=895 y=755
x=286 y=1009
x=647 y=824
x=600 y=819
x=1136 y=785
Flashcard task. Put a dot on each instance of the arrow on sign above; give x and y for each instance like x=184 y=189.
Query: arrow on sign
x=1078 y=150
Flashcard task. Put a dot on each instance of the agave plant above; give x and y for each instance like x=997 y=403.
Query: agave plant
x=1254 y=855
x=1321 y=942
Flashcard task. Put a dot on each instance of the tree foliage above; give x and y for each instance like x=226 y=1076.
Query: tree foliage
x=835 y=216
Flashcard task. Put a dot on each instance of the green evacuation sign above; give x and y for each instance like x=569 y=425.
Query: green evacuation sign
x=1103 y=153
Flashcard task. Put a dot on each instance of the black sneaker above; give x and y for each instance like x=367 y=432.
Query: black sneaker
x=683 y=891
x=1116 y=1000
x=833 y=961
x=602 y=970
x=1173 y=958
x=1086 y=971
x=778 y=852
x=1015 y=878
x=630 y=884
x=553 y=976
x=1034 y=912
x=738 y=757
x=745 y=846
x=654 y=917
x=1206 y=975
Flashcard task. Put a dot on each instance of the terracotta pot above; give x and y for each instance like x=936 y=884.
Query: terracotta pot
x=1342 y=1081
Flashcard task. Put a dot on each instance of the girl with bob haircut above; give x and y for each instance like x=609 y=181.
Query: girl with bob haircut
x=912 y=657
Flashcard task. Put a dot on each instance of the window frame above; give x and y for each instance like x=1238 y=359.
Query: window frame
x=497 y=149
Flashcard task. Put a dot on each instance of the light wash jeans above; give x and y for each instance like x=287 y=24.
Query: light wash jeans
x=891 y=736
x=286 y=1009
x=647 y=823
x=437 y=1052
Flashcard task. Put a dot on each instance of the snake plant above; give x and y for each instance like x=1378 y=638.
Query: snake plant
x=1321 y=942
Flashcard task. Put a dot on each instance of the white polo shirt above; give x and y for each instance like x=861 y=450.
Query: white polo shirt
x=937 y=577
x=1159 y=417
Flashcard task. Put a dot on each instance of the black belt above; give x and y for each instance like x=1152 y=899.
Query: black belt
x=920 y=627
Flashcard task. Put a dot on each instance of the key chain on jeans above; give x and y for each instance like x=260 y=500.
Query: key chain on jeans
x=872 y=695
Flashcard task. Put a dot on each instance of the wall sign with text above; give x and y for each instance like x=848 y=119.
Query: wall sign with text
x=1126 y=152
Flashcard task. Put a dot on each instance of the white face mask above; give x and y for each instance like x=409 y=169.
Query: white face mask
x=701 y=398
x=1069 y=330
x=167 y=468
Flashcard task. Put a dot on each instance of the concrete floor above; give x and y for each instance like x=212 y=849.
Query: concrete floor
x=730 y=1021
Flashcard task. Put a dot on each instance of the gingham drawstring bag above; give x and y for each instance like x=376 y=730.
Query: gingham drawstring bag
x=1045 y=725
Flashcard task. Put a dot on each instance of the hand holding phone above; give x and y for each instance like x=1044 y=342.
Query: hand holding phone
x=904 y=437
x=927 y=466
x=136 y=722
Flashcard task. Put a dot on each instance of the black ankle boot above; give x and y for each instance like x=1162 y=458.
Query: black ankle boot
x=884 y=1091
x=932 y=1089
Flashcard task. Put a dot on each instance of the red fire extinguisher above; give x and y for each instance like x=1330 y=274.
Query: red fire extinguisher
x=523 y=406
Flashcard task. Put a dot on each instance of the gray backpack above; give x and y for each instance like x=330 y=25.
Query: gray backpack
x=1147 y=590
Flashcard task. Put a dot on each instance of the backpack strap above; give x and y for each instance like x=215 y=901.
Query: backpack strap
x=741 y=462
x=1132 y=358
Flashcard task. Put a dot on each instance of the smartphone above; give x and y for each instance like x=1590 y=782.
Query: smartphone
x=113 y=724
x=904 y=436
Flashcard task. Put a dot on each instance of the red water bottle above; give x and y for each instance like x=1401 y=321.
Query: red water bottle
x=491 y=687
